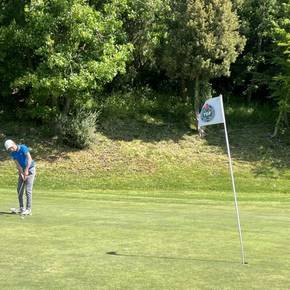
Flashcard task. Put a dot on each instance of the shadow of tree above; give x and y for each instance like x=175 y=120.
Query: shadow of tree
x=130 y=129
x=248 y=142
x=253 y=143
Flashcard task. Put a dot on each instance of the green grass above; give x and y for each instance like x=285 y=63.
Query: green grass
x=155 y=243
x=159 y=197
x=165 y=158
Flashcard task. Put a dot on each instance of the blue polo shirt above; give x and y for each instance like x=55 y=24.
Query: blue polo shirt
x=21 y=156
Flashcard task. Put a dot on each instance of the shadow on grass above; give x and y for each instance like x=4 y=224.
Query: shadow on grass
x=6 y=213
x=253 y=143
x=113 y=253
x=250 y=142
x=145 y=130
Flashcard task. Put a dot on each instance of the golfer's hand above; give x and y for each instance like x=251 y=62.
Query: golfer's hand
x=20 y=172
x=26 y=172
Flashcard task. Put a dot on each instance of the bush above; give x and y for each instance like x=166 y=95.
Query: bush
x=78 y=130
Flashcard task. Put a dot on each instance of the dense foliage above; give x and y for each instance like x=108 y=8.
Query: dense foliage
x=281 y=81
x=67 y=52
x=62 y=56
x=202 y=42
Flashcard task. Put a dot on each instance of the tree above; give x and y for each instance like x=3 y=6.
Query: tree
x=252 y=72
x=145 y=26
x=11 y=54
x=69 y=52
x=281 y=81
x=203 y=40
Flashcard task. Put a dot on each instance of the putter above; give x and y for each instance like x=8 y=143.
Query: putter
x=14 y=210
x=23 y=182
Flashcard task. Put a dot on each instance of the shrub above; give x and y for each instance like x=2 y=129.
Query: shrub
x=78 y=130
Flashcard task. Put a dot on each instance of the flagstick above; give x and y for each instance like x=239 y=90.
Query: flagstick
x=234 y=187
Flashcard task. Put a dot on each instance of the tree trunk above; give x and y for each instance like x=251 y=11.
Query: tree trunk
x=67 y=106
x=55 y=105
x=184 y=91
x=277 y=124
x=196 y=97
x=197 y=104
x=282 y=117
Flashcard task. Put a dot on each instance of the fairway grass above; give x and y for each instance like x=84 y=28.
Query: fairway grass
x=127 y=241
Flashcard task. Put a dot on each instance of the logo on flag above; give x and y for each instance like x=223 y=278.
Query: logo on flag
x=207 y=113
x=212 y=112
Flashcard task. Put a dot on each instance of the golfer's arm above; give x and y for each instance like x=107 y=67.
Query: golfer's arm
x=29 y=160
x=18 y=166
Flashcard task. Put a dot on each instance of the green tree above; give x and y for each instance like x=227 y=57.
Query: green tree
x=11 y=54
x=203 y=40
x=281 y=81
x=69 y=52
x=252 y=72
x=145 y=27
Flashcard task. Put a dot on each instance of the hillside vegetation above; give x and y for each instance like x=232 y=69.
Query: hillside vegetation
x=149 y=153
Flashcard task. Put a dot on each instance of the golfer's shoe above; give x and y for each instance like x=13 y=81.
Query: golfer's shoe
x=26 y=212
x=16 y=210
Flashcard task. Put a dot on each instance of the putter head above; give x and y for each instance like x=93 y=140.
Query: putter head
x=14 y=210
x=112 y=253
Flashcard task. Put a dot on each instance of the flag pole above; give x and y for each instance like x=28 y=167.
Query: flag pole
x=234 y=186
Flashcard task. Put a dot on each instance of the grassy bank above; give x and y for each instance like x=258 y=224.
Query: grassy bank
x=130 y=155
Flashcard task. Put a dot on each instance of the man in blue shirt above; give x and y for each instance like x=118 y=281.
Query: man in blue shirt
x=26 y=170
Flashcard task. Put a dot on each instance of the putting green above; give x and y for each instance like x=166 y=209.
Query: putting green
x=120 y=242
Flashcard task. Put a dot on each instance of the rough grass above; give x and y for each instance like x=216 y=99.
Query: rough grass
x=131 y=155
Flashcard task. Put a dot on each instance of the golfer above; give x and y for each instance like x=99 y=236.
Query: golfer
x=26 y=170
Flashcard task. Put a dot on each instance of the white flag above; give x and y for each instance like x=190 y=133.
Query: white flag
x=212 y=112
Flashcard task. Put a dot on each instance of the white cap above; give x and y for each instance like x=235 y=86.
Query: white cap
x=8 y=144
